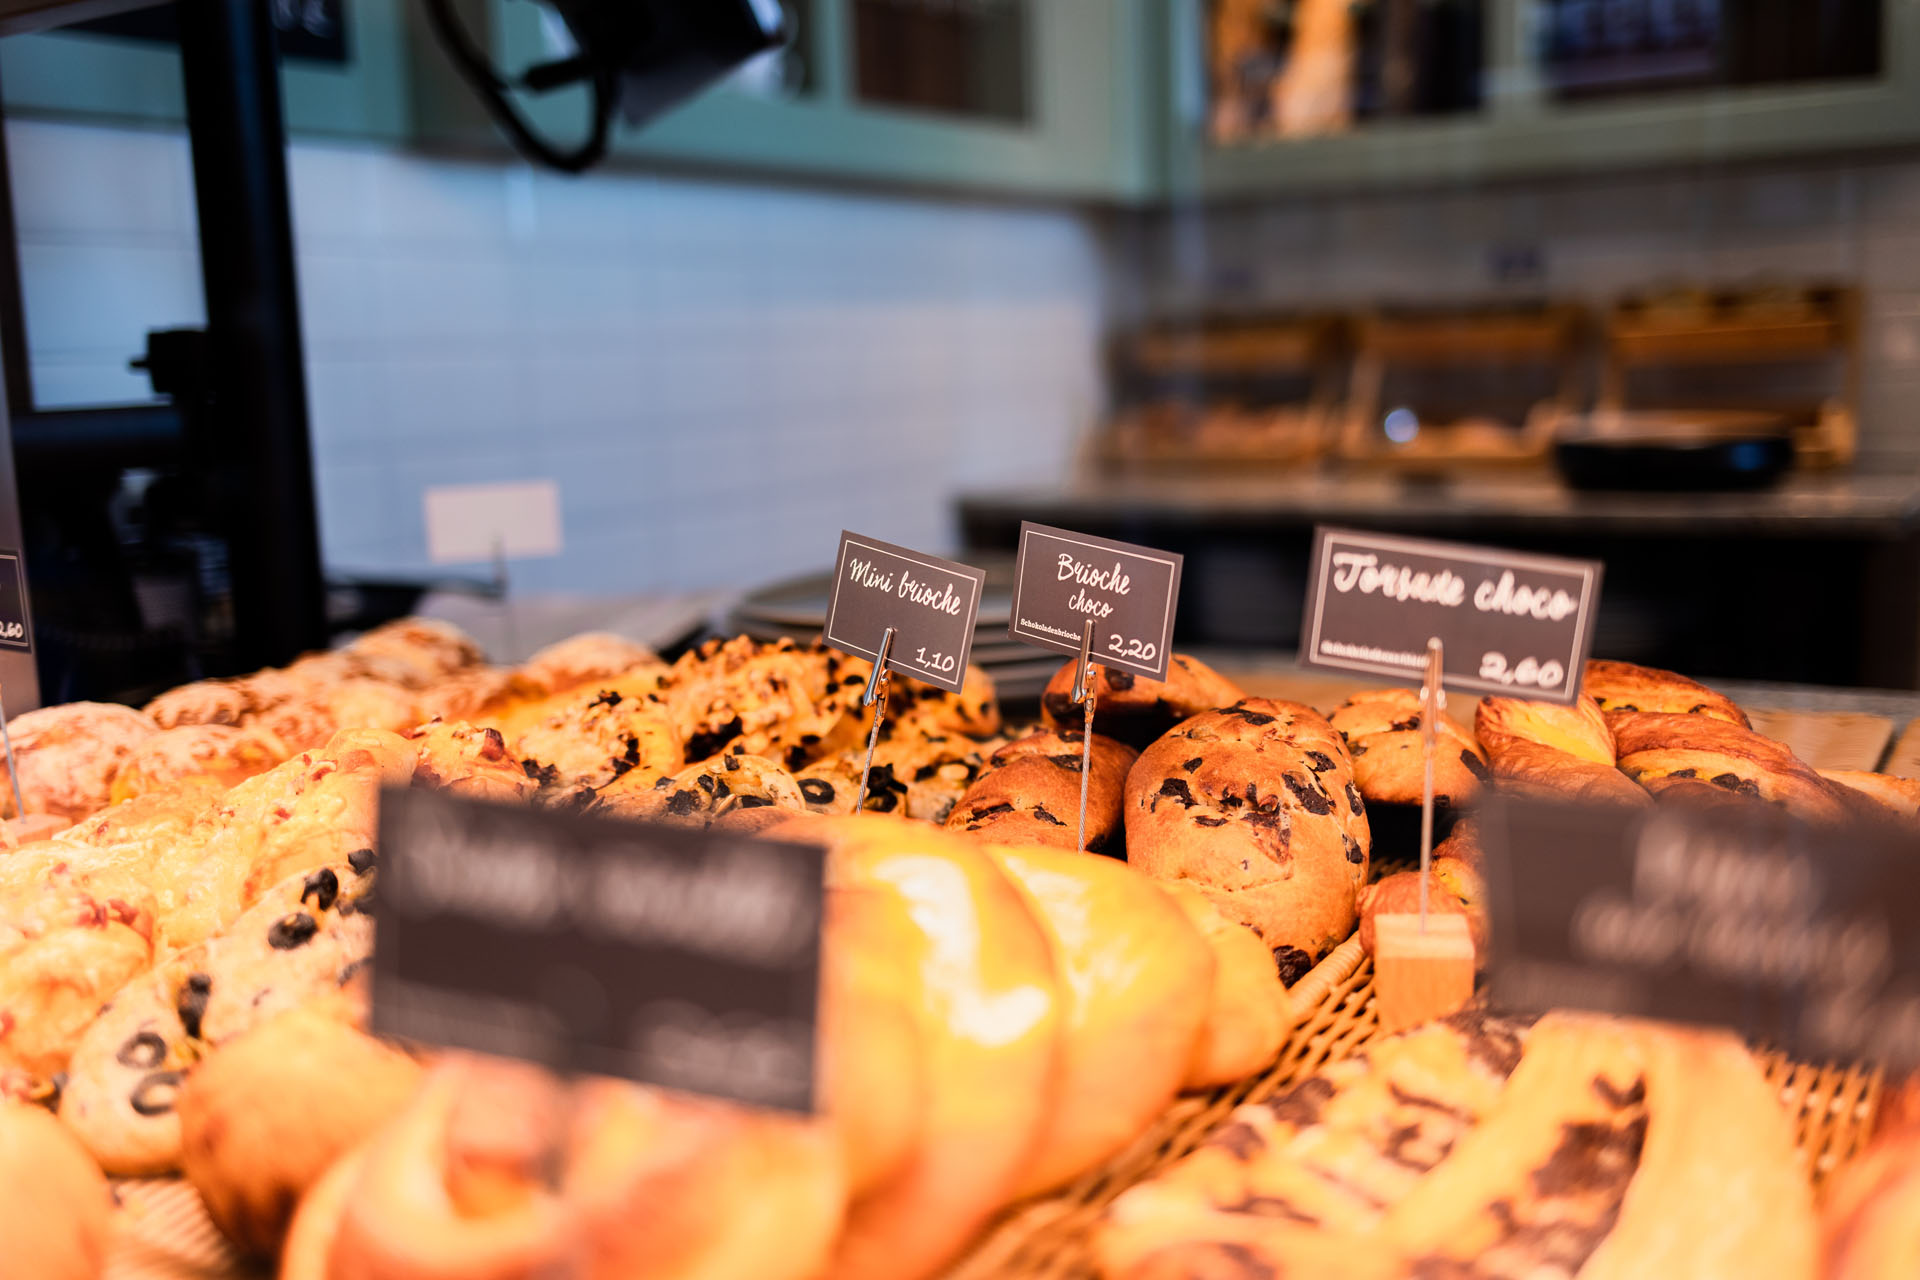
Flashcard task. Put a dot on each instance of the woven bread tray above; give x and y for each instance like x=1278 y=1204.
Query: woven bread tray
x=162 y=1232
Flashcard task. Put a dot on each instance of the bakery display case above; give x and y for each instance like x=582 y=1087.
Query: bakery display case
x=197 y=880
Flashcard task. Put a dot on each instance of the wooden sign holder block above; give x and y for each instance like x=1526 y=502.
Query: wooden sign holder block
x=1420 y=974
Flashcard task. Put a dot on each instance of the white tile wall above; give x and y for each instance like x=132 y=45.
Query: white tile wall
x=720 y=377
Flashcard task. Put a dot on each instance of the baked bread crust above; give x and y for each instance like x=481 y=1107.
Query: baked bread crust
x=1619 y=687
x=1030 y=793
x=1542 y=749
x=1901 y=795
x=1382 y=729
x=1255 y=806
x=55 y=1214
x=1659 y=750
x=221 y=753
x=1455 y=887
x=1134 y=709
x=67 y=755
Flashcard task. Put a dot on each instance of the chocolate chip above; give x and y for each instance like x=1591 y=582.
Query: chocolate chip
x=1310 y=796
x=1319 y=762
x=925 y=771
x=720 y=789
x=1119 y=681
x=323 y=887
x=796 y=759
x=1193 y=764
x=154 y=1095
x=684 y=803
x=1041 y=813
x=1684 y=773
x=732 y=764
x=1630 y=1096
x=708 y=742
x=817 y=790
x=1354 y=801
x=192 y=1005
x=1474 y=765
x=1202 y=820
x=704 y=782
x=1251 y=717
x=755 y=802
x=809 y=739
x=1068 y=761
x=1177 y=789
x=143 y=1049
x=292 y=931
x=1292 y=963
x=607 y=698
x=1058 y=705
x=361 y=860
x=1355 y=854
x=989 y=812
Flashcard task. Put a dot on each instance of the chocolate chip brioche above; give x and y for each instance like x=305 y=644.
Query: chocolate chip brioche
x=1256 y=806
x=1552 y=750
x=1030 y=793
x=1621 y=687
x=1134 y=709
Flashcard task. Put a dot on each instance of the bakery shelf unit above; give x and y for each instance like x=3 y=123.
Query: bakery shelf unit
x=1548 y=100
x=1047 y=98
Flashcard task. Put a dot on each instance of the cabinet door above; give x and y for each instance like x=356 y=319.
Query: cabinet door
x=1548 y=105
x=1077 y=124
x=127 y=78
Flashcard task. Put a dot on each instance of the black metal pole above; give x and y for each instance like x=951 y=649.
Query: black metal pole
x=257 y=420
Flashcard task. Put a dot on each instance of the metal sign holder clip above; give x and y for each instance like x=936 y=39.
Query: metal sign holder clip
x=1083 y=696
x=878 y=683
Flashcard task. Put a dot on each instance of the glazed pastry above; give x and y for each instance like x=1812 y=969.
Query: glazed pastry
x=1127 y=963
x=1248 y=1011
x=588 y=658
x=1618 y=687
x=966 y=942
x=1659 y=750
x=1472 y=1147
x=789 y=704
x=67 y=756
x=1552 y=751
x=1901 y=795
x=305 y=938
x=218 y=752
x=702 y=793
x=1030 y=793
x=414 y=652
x=973 y=712
x=1870 y=1224
x=264 y=1116
x=54 y=1205
x=1384 y=738
x=469 y=761
x=1255 y=805
x=600 y=736
x=1134 y=709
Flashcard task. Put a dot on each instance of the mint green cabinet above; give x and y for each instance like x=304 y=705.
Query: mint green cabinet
x=84 y=76
x=1095 y=107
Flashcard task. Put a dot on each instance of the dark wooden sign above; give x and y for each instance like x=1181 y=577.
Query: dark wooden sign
x=932 y=604
x=16 y=624
x=1065 y=580
x=1508 y=622
x=1803 y=938
x=684 y=959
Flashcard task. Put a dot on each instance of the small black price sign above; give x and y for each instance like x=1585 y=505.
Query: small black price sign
x=1509 y=623
x=1065 y=580
x=684 y=959
x=932 y=604
x=1804 y=938
x=16 y=625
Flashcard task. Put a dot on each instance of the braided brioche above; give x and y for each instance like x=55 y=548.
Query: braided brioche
x=1620 y=687
x=1545 y=749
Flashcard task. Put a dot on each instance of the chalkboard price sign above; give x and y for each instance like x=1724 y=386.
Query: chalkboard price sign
x=1735 y=915
x=684 y=959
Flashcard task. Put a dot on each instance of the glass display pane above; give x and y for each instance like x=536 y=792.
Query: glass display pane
x=1297 y=68
x=954 y=57
x=1594 y=48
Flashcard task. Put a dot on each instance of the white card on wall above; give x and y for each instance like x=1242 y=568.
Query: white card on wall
x=471 y=523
